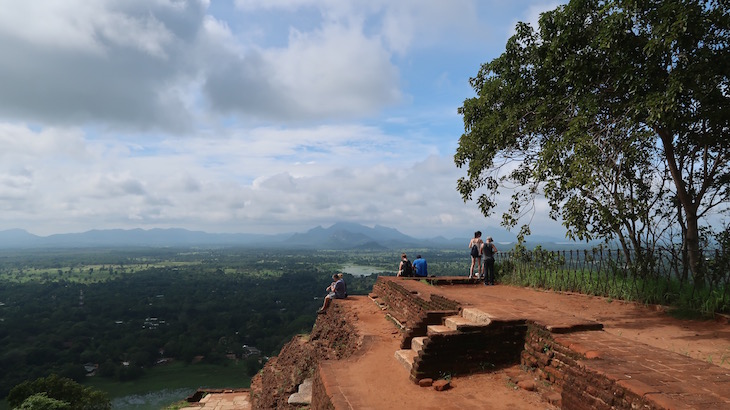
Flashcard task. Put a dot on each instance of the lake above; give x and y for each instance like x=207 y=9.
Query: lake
x=360 y=270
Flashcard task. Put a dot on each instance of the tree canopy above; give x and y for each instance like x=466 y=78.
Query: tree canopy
x=617 y=111
x=57 y=392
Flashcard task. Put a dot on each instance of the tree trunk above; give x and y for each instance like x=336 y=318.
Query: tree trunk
x=692 y=242
x=689 y=205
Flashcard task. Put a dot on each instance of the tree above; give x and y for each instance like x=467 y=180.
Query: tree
x=59 y=389
x=618 y=111
x=41 y=401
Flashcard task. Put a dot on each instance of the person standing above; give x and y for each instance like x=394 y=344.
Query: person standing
x=420 y=267
x=476 y=259
x=488 y=251
x=405 y=268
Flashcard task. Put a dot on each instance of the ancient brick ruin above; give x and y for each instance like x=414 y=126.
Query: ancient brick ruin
x=441 y=337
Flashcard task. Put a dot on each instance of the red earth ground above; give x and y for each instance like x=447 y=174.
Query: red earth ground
x=375 y=377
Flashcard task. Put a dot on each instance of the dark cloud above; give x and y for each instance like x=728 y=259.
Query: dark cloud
x=245 y=85
x=116 y=79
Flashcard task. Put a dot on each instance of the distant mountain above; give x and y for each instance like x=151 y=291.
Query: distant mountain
x=348 y=235
x=21 y=239
x=17 y=238
x=341 y=235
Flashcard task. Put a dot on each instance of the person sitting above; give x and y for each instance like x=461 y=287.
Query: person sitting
x=405 y=267
x=420 y=267
x=337 y=290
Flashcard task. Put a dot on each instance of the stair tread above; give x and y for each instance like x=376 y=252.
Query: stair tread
x=439 y=330
x=417 y=343
x=477 y=316
x=406 y=357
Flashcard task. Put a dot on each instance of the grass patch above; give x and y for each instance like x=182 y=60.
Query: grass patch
x=688 y=301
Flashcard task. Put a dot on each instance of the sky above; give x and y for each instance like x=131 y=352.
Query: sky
x=243 y=116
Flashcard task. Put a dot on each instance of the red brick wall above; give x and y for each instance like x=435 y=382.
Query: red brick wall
x=460 y=352
x=581 y=389
x=412 y=311
x=320 y=399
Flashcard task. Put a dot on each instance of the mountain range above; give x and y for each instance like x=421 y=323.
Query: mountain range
x=341 y=235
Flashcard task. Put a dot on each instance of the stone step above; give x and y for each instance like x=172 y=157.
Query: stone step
x=439 y=329
x=477 y=316
x=406 y=358
x=395 y=321
x=417 y=343
x=482 y=318
x=303 y=396
x=463 y=324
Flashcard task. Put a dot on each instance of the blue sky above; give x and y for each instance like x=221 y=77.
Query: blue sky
x=243 y=116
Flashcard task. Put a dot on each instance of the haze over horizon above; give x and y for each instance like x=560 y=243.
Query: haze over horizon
x=256 y=116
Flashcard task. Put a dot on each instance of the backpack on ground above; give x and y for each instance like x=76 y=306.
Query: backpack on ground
x=407 y=268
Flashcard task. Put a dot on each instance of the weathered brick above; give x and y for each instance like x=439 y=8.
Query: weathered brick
x=441 y=385
x=426 y=382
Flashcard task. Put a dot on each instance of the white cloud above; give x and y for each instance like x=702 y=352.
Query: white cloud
x=400 y=24
x=328 y=73
x=531 y=15
x=168 y=65
x=103 y=62
x=272 y=117
x=202 y=184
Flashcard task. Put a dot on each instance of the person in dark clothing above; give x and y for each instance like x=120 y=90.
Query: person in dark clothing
x=405 y=267
x=488 y=251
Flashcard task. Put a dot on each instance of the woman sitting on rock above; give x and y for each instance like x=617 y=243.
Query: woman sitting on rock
x=337 y=290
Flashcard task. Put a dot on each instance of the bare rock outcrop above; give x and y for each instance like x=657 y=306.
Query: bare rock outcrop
x=333 y=337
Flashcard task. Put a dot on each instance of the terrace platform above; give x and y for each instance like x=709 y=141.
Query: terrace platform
x=570 y=351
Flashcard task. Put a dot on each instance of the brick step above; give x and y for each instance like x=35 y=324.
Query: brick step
x=483 y=318
x=417 y=343
x=381 y=304
x=476 y=316
x=406 y=357
x=463 y=324
x=439 y=329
